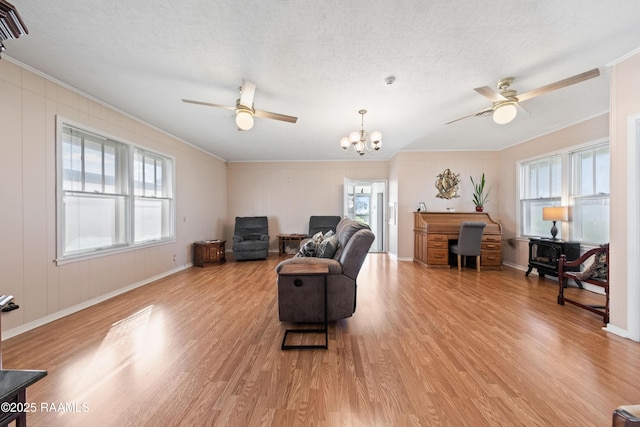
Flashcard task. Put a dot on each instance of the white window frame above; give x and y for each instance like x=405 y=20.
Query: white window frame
x=540 y=197
x=161 y=193
x=126 y=219
x=580 y=196
x=567 y=183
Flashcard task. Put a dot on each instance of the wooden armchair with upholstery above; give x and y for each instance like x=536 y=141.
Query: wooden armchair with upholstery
x=596 y=273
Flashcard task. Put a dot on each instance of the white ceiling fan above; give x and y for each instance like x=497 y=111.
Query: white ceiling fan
x=244 y=108
x=505 y=104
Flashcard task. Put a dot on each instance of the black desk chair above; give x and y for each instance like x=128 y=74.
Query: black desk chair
x=469 y=242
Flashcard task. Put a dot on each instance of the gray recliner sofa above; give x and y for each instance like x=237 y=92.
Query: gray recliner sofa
x=301 y=304
x=322 y=223
x=251 y=238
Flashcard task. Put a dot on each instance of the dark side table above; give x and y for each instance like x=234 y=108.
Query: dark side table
x=209 y=252
x=308 y=275
x=13 y=395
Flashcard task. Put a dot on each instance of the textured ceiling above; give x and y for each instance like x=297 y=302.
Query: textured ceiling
x=322 y=61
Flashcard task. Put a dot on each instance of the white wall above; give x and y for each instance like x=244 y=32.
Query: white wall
x=625 y=102
x=290 y=192
x=29 y=104
x=415 y=174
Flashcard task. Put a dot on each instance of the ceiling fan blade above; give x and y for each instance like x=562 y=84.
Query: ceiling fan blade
x=477 y=113
x=247 y=91
x=275 y=116
x=491 y=94
x=522 y=109
x=559 y=84
x=208 y=104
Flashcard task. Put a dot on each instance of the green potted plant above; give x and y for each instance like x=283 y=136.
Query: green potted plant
x=479 y=196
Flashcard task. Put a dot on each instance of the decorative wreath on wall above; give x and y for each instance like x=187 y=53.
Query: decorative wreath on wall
x=447 y=184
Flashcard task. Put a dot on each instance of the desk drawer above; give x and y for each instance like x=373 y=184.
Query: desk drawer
x=491 y=246
x=437 y=244
x=491 y=258
x=438 y=257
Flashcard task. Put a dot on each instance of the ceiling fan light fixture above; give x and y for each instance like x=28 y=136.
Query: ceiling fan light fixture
x=244 y=119
x=505 y=113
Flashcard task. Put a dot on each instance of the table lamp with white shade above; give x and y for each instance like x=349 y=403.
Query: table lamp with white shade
x=555 y=213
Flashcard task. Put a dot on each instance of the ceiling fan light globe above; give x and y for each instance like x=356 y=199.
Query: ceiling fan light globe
x=505 y=113
x=244 y=120
x=344 y=142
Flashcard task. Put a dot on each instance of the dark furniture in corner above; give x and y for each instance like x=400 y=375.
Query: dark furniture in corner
x=251 y=238
x=13 y=395
x=565 y=273
x=544 y=255
x=14 y=383
x=626 y=416
x=209 y=252
x=322 y=223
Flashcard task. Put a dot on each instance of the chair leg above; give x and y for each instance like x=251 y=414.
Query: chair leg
x=478 y=263
x=459 y=267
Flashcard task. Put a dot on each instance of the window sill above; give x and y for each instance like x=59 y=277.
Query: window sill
x=110 y=252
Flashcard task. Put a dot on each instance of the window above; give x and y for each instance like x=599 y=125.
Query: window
x=590 y=194
x=578 y=178
x=152 y=208
x=540 y=186
x=100 y=207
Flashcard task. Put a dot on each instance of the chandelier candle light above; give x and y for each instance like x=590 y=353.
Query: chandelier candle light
x=361 y=141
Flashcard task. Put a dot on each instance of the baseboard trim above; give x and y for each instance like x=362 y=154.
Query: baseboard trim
x=518 y=267
x=616 y=330
x=70 y=310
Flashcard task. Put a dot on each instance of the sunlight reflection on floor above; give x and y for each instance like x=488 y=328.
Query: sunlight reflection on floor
x=135 y=343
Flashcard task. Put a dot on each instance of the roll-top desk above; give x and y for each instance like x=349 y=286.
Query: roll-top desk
x=434 y=230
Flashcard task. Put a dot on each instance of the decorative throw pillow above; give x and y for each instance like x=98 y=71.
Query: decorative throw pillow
x=601 y=271
x=598 y=269
x=587 y=272
x=310 y=247
x=328 y=247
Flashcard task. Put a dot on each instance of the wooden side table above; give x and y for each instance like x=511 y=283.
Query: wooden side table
x=307 y=275
x=209 y=252
x=284 y=239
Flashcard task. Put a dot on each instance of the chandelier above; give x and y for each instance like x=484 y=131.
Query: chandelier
x=361 y=141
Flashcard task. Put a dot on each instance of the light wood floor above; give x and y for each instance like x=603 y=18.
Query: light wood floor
x=425 y=347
